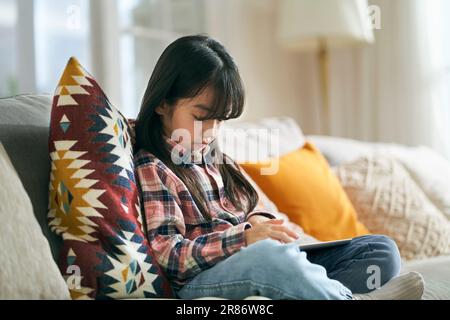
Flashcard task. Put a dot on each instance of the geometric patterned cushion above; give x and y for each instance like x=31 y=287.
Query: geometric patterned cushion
x=93 y=197
x=388 y=201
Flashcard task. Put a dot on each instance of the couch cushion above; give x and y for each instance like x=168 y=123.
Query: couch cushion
x=427 y=167
x=260 y=140
x=26 y=109
x=94 y=198
x=27 y=268
x=24 y=121
x=436 y=273
x=388 y=201
x=302 y=186
x=27 y=146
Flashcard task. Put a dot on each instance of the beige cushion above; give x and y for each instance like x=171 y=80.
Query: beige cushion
x=260 y=140
x=429 y=169
x=389 y=202
x=436 y=273
x=27 y=269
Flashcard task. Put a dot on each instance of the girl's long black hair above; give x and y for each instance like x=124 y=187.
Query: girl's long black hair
x=186 y=67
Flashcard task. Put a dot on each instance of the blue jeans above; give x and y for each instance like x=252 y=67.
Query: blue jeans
x=282 y=271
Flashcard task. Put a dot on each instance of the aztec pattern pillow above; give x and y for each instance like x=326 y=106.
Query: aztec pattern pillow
x=388 y=201
x=93 y=198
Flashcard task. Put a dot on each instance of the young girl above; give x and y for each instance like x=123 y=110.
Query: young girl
x=204 y=220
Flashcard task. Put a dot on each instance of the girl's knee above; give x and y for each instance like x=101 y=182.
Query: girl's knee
x=285 y=269
x=273 y=256
x=387 y=255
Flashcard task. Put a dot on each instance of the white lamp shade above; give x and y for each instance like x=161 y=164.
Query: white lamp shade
x=303 y=24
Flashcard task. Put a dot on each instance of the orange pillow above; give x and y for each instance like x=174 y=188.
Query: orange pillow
x=305 y=189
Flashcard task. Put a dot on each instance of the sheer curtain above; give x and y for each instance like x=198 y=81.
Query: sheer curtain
x=437 y=26
x=398 y=89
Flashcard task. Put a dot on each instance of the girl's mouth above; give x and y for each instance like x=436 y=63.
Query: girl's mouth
x=203 y=144
x=208 y=140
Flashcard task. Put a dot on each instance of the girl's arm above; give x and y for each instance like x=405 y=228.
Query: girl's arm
x=265 y=207
x=179 y=257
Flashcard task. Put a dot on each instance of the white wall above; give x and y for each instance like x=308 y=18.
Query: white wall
x=278 y=83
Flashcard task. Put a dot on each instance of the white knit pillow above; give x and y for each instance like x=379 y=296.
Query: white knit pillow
x=27 y=268
x=389 y=202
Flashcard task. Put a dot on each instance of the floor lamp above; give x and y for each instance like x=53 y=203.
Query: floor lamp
x=320 y=25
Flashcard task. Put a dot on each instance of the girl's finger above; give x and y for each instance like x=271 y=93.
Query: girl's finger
x=274 y=221
x=287 y=230
x=283 y=237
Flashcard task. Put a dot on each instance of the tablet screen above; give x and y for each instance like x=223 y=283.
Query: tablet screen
x=323 y=244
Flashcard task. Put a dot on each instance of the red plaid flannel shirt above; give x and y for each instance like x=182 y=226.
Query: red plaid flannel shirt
x=183 y=241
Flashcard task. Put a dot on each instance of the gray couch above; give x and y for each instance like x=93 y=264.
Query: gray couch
x=24 y=128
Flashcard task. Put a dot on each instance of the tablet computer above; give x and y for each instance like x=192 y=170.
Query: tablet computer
x=323 y=244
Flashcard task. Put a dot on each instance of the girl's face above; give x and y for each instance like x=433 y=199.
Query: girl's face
x=183 y=120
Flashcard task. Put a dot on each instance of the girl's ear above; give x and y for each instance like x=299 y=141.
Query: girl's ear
x=161 y=109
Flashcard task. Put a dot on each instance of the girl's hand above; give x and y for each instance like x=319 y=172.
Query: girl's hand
x=272 y=228
x=257 y=219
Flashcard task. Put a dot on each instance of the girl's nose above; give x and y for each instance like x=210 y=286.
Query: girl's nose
x=210 y=129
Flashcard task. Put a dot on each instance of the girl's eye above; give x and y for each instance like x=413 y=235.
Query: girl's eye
x=198 y=118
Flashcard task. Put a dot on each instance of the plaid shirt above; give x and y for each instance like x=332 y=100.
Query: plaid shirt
x=183 y=241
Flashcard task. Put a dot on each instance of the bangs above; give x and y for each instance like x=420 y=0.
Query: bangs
x=229 y=95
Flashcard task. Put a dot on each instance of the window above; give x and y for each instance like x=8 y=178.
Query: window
x=146 y=28
x=38 y=37
x=8 y=61
x=438 y=31
x=61 y=30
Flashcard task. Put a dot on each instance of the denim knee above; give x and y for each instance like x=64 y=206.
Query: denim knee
x=385 y=252
x=284 y=267
x=270 y=256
